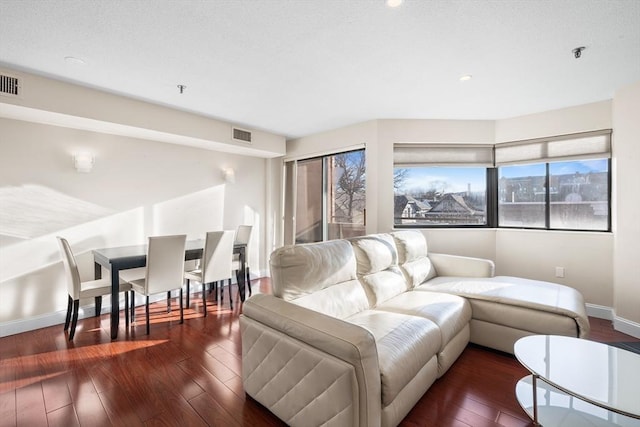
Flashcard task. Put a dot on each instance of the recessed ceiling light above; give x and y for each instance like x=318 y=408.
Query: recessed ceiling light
x=466 y=78
x=394 y=3
x=74 y=60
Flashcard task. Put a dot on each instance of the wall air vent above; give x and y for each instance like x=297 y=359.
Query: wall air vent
x=10 y=85
x=241 y=135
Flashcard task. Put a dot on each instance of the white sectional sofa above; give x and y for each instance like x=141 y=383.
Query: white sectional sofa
x=356 y=331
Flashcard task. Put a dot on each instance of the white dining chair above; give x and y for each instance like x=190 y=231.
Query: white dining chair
x=217 y=265
x=243 y=235
x=87 y=289
x=164 y=271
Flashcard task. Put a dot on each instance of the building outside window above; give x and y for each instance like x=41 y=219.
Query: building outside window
x=440 y=196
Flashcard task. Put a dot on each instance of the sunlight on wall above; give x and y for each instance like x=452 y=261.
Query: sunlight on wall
x=30 y=211
x=31 y=255
x=193 y=214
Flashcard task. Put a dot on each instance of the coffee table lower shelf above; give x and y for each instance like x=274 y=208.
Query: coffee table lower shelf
x=556 y=408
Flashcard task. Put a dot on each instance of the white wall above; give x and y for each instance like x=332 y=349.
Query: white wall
x=626 y=167
x=137 y=188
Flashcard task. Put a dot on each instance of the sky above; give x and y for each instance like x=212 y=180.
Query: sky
x=456 y=179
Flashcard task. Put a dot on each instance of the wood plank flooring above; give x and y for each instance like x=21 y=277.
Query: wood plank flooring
x=190 y=375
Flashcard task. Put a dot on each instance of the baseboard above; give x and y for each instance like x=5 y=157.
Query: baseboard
x=600 y=311
x=57 y=318
x=619 y=324
x=43 y=321
x=626 y=327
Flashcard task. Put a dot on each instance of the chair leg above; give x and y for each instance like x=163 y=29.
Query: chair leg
x=204 y=300
x=126 y=309
x=74 y=319
x=221 y=299
x=168 y=301
x=69 y=310
x=146 y=308
x=230 y=298
x=133 y=306
x=188 y=281
x=248 y=279
x=98 y=302
x=181 y=308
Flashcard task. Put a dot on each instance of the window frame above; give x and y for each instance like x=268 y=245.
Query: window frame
x=547 y=205
x=591 y=145
x=491 y=213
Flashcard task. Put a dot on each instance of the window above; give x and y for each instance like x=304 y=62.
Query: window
x=560 y=183
x=441 y=196
x=577 y=197
x=442 y=185
x=522 y=195
x=557 y=183
x=329 y=194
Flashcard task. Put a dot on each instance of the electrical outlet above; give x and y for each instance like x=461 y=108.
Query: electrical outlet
x=560 y=272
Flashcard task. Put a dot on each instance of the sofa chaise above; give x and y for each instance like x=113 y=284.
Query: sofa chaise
x=357 y=330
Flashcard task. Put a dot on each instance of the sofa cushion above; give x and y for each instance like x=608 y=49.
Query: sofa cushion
x=451 y=313
x=378 y=270
x=495 y=300
x=319 y=276
x=412 y=257
x=404 y=343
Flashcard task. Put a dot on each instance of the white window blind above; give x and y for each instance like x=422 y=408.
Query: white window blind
x=408 y=155
x=569 y=147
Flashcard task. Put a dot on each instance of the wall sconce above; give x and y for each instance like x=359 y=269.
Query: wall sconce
x=83 y=162
x=229 y=175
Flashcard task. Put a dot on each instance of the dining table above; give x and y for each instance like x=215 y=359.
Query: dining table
x=120 y=258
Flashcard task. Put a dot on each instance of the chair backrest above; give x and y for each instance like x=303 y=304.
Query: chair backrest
x=217 y=256
x=70 y=268
x=165 y=263
x=243 y=234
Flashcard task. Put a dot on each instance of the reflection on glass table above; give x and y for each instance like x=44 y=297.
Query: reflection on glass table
x=602 y=376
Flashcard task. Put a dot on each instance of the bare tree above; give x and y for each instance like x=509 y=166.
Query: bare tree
x=350 y=185
x=399 y=178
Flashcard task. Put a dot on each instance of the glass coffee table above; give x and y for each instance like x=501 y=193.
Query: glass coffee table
x=576 y=382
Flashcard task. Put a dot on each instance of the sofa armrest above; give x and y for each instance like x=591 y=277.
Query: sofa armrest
x=461 y=266
x=288 y=331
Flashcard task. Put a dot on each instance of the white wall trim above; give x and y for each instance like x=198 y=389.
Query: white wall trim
x=43 y=321
x=626 y=326
x=619 y=324
x=58 y=317
x=599 y=311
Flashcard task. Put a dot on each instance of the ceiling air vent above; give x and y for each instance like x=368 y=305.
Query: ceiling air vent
x=10 y=85
x=241 y=135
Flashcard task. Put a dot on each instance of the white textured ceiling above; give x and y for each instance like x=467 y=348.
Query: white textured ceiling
x=297 y=67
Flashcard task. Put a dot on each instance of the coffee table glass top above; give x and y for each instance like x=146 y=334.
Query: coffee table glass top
x=597 y=373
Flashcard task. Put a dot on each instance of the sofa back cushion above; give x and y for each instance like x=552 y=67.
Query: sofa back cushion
x=413 y=257
x=319 y=276
x=378 y=270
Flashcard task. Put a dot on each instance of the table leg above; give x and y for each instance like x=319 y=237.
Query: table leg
x=115 y=302
x=534 y=381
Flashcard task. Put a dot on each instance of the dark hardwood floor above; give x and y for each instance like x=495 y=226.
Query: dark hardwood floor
x=189 y=375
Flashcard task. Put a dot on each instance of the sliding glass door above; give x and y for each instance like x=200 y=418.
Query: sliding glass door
x=329 y=197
